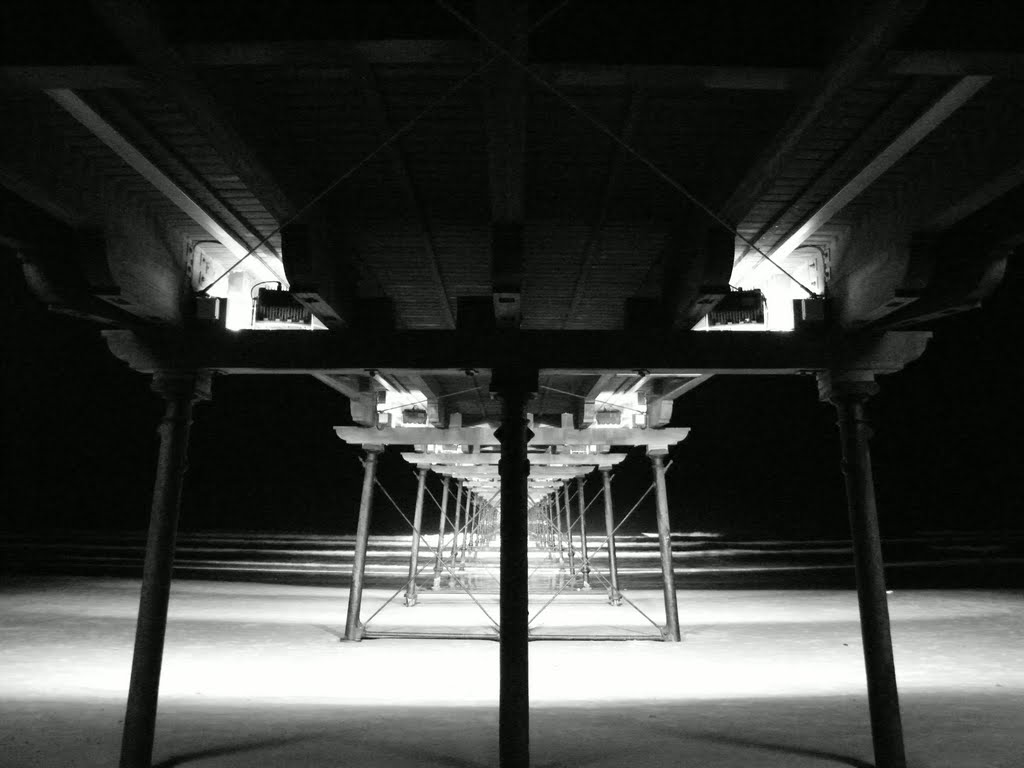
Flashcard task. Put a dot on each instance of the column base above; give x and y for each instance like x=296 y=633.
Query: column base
x=354 y=636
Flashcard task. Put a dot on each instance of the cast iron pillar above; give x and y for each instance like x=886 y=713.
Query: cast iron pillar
x=849 y=395
x=614 y=596
x=417 y=525
x=181 y=391
x=474 y=532
x=514 y=387
x=470 y=505
x=584 y=559
x=353 y=629
x=568 y=530
x=671 y=631
x=440 y=533
x=458 y=525
x=549 y=523
x=558 y=529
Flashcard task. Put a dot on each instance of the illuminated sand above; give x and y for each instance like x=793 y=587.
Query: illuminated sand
x=254 y=675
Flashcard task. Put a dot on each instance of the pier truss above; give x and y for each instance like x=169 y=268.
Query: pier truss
x=463 y=556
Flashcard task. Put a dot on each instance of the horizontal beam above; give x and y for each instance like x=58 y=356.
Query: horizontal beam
x=443 y=460
x=541 y=472
x=480 y=436
x=866 y=43
x=332 y=57
x=898 y=148
x=127 y=151
x=78 y=77
x=1002 y=64
x=568 y=352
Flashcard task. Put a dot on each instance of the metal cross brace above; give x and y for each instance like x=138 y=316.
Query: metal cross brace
x=422 y=538
x=598 y=549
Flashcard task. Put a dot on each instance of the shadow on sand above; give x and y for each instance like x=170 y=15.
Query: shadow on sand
x=734 y=741
x=231 y=749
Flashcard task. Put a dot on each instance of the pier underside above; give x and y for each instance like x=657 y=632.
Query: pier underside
x=509 y=236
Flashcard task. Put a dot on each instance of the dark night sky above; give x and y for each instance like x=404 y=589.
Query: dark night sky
x=80 y=442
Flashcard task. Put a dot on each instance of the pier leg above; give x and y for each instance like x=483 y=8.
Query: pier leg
x=614 y=596
x=417 y=525
x=568 y=531
x=440 y=532
x=458 y=526
x=584 y=560
x=558 y=530
x=181 y=391
x=470 y=505
x=514 y=469
x=353 y=629
x=849 y=398
x=549 y=536
x=668 y=576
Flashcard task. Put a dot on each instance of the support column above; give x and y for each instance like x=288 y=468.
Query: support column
x=584 y=559
x=668 y=575
x=470 y=503
x=549 y=536
x=849 y=396
x=514 y=387
x=614 y=596
x=474 y=530
x=568 y=530
x=458 y=525
x=558 y=530
x=440 y=532
x=417 y=525
x=181 y=391
x=353 y=629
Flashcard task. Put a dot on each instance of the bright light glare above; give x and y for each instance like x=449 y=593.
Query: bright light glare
x=779 y=290
x=239 y=310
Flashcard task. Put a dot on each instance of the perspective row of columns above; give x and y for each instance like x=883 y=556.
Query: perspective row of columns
x=181 y=390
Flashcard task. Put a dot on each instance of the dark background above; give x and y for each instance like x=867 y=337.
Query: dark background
x=79 y=442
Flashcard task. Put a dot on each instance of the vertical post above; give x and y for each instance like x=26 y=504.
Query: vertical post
x=558 y=530
x=584 y=560
x=849 y=396
x=668 y=575
x=458 y=523
x=479 y=528
x=549 y=539
x=482 y=529
x=470 y=503
x=568 y=530
x=474 y=525
x=440 y=532
x=181 y=391
x=417 y=527
x=614 y=596
x=353 y=629
x=514 y=389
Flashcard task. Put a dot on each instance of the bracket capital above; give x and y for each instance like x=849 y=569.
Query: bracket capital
x=836 y=387
x=183 y=385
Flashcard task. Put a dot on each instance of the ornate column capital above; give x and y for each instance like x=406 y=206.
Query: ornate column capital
x=835 y=386
x=193 y=386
